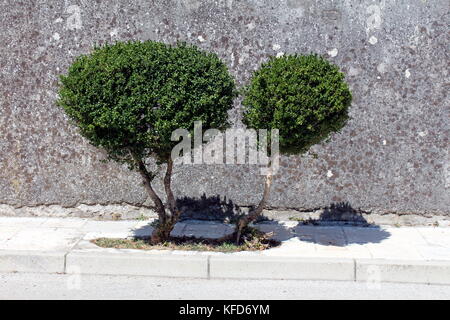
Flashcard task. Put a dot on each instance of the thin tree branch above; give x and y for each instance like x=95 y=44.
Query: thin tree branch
x=175 y=213
x=266 y=194
x=147 y=181
x=255 y=213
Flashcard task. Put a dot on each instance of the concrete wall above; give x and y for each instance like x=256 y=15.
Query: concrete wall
x=391 y=158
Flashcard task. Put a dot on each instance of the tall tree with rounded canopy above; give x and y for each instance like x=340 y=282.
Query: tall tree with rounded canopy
x=305 y=97
x=129 y=97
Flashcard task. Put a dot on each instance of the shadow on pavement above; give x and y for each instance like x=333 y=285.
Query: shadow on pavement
x=338 y=225
x=212 y=208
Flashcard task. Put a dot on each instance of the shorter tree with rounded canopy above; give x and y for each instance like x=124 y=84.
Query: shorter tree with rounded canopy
x=305 y=97
x=129 y=97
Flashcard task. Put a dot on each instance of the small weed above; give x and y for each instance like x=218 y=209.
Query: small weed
x=116 y=216
x=142 y=218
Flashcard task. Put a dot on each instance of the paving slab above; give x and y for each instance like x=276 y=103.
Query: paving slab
x=109 y=226
x=100 y=234
x=22 y=222
x=178 y=229
x=330 y=236
x=436 y=236
x=43 y=239
x=305 y=233
x=361 y=236
x=141 y=232
x=393 y=251
x=7 y=232
x=72 y=223
x=434 y=252
x=32 y=261
x=281 y=231
x=408 y=236
x=203 y=229
x=293 y=247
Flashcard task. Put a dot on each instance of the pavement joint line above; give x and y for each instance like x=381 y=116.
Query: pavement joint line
x=345 y=236
x=208 y=267
x=77 y=242
x=44 y=221
x=70 y=250
x=423 y=237
x=65 y=262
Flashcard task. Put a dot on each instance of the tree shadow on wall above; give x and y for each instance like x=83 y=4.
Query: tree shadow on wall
x=340 y=213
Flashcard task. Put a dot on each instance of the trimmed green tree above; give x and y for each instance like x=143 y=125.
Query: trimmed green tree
x=305 y=97
x=129 y=97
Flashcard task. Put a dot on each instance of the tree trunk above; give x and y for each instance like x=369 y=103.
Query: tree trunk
x=147 y=181
x=244 y=221
x=166 y=221
x=175 y=213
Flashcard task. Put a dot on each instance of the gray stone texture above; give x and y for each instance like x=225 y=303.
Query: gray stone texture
x=391 y=158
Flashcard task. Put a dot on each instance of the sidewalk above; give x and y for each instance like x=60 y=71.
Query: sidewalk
x=405 y=254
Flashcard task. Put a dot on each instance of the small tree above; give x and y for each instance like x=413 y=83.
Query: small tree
x=128 y=98
x=304 y=97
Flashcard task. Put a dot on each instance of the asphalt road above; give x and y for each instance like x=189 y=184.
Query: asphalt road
x=62 y=286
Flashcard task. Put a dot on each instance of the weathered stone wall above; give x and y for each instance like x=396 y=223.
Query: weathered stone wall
x=391 y=158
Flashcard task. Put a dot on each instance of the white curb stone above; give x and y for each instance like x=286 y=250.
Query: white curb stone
x=245 y=267
x=431 y=272
x=130 y=263
x=31 y=261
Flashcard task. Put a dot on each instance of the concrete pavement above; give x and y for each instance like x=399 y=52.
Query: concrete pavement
x=369 y=254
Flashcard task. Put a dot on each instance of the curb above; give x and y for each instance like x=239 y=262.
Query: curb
x=140 y=264
x=32 y=261
x=241 y=267
x=223 y=266
x=429 y=272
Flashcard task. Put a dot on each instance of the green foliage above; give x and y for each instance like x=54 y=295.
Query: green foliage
x=305 y=97
x=129 y=97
